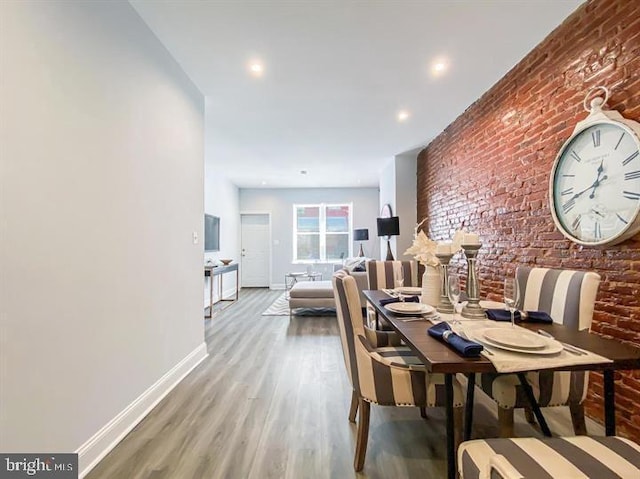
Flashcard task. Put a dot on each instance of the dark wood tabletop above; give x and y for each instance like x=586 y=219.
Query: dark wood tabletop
x=438 y=357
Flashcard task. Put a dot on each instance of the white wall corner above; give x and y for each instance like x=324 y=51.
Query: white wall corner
x=103 y=441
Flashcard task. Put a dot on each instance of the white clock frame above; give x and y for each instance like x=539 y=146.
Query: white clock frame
x=597 y=116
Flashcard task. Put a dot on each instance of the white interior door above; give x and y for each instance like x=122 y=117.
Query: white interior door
x=255 y=241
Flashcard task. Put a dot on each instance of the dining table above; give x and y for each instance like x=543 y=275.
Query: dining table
x=439 y=357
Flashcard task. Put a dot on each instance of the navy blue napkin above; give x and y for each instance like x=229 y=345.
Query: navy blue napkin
x=502 y=315
x=407 y=299
x=529 y=316
x=537 y=317
x=469 y=349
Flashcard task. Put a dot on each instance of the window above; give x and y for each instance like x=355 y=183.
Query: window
x=321 y=233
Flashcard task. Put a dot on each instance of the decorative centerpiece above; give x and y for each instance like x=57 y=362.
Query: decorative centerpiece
x=435 y=257
x=472 y=310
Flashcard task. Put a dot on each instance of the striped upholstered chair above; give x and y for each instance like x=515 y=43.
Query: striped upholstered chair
x=381 y=276
x=559 y=457
x=568 y=297
x=381 y=374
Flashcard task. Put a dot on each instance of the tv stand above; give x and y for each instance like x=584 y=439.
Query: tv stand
x=212 y=271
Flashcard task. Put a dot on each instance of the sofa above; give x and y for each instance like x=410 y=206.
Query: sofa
x=319 y=294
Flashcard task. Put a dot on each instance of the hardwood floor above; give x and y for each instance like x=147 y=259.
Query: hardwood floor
x=272 y=401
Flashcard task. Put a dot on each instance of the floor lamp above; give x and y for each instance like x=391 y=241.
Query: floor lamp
x=361 y=235
x=388 y=227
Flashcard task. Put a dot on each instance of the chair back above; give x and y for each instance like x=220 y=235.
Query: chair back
x=380 y=273
x=350 y=322
x=567 y=296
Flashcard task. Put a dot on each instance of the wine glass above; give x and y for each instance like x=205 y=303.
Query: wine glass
x=453 y=291
x=511 y=296
x=398 y=281
x=398 y=277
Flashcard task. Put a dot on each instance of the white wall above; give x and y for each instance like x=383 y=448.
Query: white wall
x=279 y=202
x=388 y=196
x=406 y=200
x=102 y=189
x=221 y=198
x=398 y=187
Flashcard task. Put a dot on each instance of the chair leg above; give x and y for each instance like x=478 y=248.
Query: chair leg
x=577 y=419
x=528 y=414
x=363 y=435
x=505 y=419
x=354 y=407
x=458 y=421
x=423 y=412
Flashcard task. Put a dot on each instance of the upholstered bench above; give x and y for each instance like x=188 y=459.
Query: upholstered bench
x=557 y=457
x=311 y=294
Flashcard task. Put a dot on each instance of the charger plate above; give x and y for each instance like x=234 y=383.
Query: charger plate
x=410 y=308
x=552 y=346
x=410 y=290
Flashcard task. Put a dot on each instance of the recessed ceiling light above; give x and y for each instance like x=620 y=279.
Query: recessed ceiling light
x=256 y=68
x=303 y=172
x=403 y=115
x=263 y=183
x=439 y=66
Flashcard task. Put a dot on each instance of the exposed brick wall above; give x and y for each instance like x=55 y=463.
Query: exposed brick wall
x=489 y=170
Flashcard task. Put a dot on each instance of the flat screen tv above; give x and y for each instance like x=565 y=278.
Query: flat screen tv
x=211 y=233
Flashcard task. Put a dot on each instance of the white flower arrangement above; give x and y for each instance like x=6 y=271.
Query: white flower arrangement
x=424 y=250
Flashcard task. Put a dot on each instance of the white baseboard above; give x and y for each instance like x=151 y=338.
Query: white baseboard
x=102 y=442
x=276 y=286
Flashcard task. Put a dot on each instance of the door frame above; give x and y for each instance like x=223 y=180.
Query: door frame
x=268 y=215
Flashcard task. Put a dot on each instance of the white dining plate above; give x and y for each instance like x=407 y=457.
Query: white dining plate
x=412 y=290
x=485 y=304
x=552 y=346
x=410 y=308
x=515 y=338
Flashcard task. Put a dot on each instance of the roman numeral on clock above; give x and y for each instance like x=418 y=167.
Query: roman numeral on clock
x=628 y=160
x=576 y=156
x=597 y=232
x=632 y=175
x=622 y=219
x=632 y=195
x=569 y=191
x=618 y=144
x=595 y=136
x=576 y=223
x=568 y=206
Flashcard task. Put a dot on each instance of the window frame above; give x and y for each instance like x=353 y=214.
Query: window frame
x=322 y=207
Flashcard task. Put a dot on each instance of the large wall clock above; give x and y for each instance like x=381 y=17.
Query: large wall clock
x=594 y=188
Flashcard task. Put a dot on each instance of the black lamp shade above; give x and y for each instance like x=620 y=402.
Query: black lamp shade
x=388 y=226
x=361 y=234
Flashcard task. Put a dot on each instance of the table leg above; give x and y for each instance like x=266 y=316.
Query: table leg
x=237 y=283
x=210 y=296
x=534 y=404
x=609 y=403
x=468 y=407
x=451 y=447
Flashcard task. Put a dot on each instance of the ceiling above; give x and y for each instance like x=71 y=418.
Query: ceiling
x=336 y=74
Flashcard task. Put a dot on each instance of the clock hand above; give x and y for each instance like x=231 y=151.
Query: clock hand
x=579 y=194
x=597 y=182
x=595 y=185
x=597 y=212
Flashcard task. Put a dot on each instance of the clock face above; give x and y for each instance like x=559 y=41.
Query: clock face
x=596 y=184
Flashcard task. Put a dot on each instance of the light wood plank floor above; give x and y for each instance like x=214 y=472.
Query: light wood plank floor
x=271 y=401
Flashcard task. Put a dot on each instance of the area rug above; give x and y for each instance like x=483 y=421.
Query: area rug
x=280 y=307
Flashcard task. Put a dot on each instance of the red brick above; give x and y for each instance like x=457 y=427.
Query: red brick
x=490 y=168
